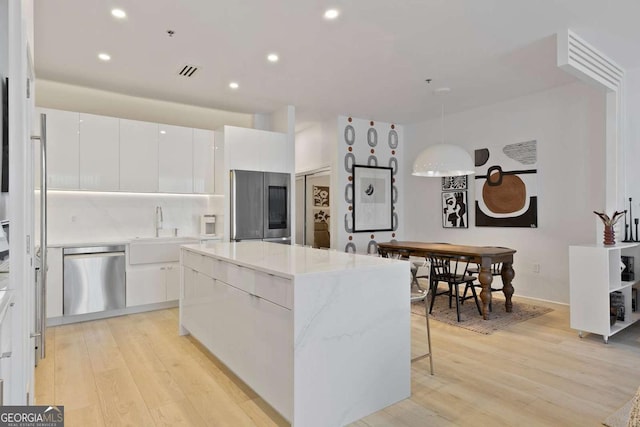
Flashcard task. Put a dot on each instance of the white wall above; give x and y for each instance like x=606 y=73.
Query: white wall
x=568 y=123
x=89 y=217
x=632 y=140
x=61 y=96
x=315 y=145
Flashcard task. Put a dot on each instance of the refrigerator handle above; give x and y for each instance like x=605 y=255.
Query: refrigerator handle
x=41 y=296
x=233 y=205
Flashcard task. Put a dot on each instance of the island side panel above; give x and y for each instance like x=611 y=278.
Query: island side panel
x=352 y=343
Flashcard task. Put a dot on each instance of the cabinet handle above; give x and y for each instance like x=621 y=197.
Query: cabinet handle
x=5 y=355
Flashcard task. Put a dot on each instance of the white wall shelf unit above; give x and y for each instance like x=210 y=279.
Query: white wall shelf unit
x=595 y=273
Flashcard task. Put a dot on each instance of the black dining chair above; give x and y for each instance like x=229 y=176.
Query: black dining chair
x=452 y=270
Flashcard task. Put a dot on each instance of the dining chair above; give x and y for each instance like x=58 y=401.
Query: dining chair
x=452 y=270
x=422 y=271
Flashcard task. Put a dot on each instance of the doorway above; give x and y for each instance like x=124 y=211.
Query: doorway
x=313 y=204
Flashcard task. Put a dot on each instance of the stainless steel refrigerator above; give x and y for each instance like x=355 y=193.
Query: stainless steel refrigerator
x=260 y=206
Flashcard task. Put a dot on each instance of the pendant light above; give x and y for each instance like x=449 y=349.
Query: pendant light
x=443 y=159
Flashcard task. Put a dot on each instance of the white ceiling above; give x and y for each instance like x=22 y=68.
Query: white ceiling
x=371 y=62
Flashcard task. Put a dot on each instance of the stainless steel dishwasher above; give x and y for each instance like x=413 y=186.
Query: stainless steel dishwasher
x=93 y=279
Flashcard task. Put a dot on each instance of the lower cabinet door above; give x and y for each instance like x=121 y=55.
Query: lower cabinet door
x=146 y=285
x=231 y=332
x=172 y=279
x=272 y=352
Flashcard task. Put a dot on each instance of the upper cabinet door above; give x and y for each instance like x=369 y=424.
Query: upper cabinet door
x=63 y=160
x=175 y=159
x=99 y=153
x=138 y=156
x=203 y=160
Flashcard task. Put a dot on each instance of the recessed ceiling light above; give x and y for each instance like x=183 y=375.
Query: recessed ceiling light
x=272 y=57
x=104 y=57
x=331 y=14
x=163 y=132
x=234 y=85
x=119 y=13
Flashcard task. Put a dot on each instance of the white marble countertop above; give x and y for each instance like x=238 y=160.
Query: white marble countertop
x=4 y=281
x=123 y=241
x=286 y=260
x=5 y=294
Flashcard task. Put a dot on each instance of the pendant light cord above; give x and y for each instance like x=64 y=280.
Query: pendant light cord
x=442 y=125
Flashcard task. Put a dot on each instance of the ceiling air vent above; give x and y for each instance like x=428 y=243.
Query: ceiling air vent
x=188 y=70
x=578 y=57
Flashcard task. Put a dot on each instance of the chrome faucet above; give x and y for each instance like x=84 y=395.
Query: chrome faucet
x=158 y=220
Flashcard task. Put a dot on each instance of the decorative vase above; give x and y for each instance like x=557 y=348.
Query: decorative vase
x=609 y=235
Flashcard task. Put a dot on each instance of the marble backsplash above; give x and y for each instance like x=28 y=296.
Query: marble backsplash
x=83 y=216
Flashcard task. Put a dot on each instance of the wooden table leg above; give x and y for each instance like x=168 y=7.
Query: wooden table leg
x=507 y=274
x=485 y=279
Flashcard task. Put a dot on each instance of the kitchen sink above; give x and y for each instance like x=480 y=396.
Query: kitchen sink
x=150 y=250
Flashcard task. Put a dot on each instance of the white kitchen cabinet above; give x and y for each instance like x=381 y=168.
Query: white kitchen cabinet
x=63 y=150
x=203 y=161
x=220 y=166
x=99 y=153
x=146 y=284
x=259 y=345
x=313 y=362
x=138 y=156
x=175 y=159
x=153 y=283
x=172 y=279
x=595 y=273
x=54 y=282
x=252 y=149
x=6 y=348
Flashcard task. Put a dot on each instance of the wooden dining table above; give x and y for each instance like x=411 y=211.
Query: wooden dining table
x=484 y=256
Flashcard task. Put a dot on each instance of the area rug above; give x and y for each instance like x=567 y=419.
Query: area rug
x=627 y=416
x=499 y=319
x=620 y=418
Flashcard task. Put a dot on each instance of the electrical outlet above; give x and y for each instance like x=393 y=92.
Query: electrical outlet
x=74 y=218
x=536 y=268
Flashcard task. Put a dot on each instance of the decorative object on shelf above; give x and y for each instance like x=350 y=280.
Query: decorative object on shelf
x=454 y=209
x=609 y=233
x=372 y=201
x=628 y=225
x=616 y=302
x=628 y=274
x=634 y=299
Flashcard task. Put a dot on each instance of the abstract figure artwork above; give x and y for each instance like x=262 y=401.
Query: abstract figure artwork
x=506 y=186
x=454 y=209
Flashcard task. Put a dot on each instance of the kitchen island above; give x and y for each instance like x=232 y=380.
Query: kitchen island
x=322 y=336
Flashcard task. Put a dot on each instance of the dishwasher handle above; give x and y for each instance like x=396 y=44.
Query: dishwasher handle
x=93 y=249
x=95 y=255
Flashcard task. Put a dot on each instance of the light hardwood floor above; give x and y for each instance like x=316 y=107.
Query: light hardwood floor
x=135 y=370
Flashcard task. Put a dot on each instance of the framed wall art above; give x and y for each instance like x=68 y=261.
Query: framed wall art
x=506 y=185
x=455 y=210
x=372 y=201
x=450 y=183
